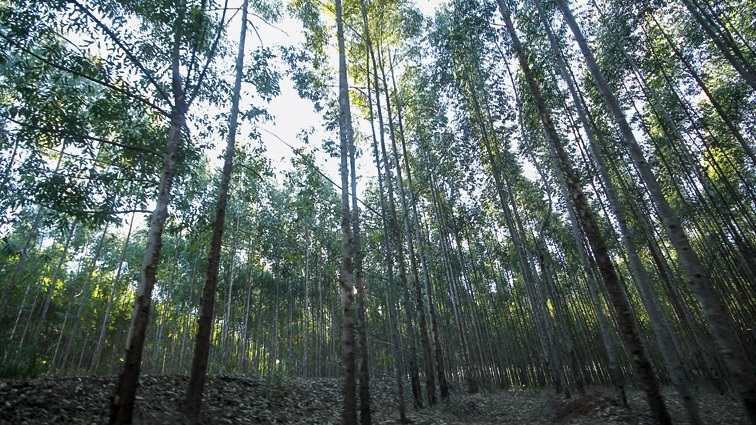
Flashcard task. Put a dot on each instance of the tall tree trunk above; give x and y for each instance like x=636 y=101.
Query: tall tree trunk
x=427 y=358
x=225 y=349
x=244 y=360
x=346 y=277
x=548 y=351
x=605 y=329
x=410 y=329
x=742 y=373
x=122 y=404
x=438 y=355
x=362 y=346
x=193 y=400
x=629 y=333
x=387 y=234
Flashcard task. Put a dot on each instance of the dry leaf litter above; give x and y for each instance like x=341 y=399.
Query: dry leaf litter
x=257 y=400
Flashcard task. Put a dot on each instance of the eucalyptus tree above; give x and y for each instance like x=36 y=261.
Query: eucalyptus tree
x=693 y=137
x=466 y=50
x=424 y=118
x=63 y=103
x=741 y=373
x=726 y=44
x=658 y=320
x=195 y=35
x=409 y=208
x=562 y=162
x=346 y=270
x=193 y=401
x=70 y=153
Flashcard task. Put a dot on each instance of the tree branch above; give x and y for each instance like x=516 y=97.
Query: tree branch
x=86 y=77
x=315 y=167
x=92 y=138
x=211 y=56
x=95 y=212
x=123 y=47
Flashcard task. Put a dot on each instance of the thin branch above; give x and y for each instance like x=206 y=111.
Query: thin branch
x=87 y=77
x=123 y=47
x=94 y=161
x=95 y=212
x=211 y=56
x=315 y=167
x=93 y=138
x=254 y=27
x=270 y=24
x=193 y=60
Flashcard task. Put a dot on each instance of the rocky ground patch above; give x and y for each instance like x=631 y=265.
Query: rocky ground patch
x=259 y=400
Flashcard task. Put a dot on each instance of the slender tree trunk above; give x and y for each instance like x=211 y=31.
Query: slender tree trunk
x=518 y=238
x=625 y=317
x=193 y=400
x=742 y=373
x=469 y=379
x=122 y=404
x=729 y=50
x=346 y=276
x=443 y=384
x=362 y=346
x=103 y=328
x=187 y=307
x=51 y=287
x=709 y=95
x=389 y=258
x=85 y=296
x=225 y=350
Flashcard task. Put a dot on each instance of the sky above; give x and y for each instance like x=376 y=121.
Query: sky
x=293 y=114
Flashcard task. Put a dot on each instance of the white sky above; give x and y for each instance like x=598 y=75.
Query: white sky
x=293 y=114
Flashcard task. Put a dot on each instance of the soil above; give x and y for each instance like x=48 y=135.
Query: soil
x=258 y=400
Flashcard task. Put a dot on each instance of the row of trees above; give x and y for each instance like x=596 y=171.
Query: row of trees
x=550 y=197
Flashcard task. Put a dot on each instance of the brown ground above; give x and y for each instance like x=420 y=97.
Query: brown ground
x=256 y=400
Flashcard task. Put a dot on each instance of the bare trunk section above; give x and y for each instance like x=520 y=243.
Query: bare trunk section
x=346 y=277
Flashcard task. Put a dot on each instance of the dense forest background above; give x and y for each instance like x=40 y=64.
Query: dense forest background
x=529 y=193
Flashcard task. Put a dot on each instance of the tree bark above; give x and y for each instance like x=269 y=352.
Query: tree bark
x=346 y=277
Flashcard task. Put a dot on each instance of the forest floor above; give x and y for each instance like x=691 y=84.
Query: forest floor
x=257 y=400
